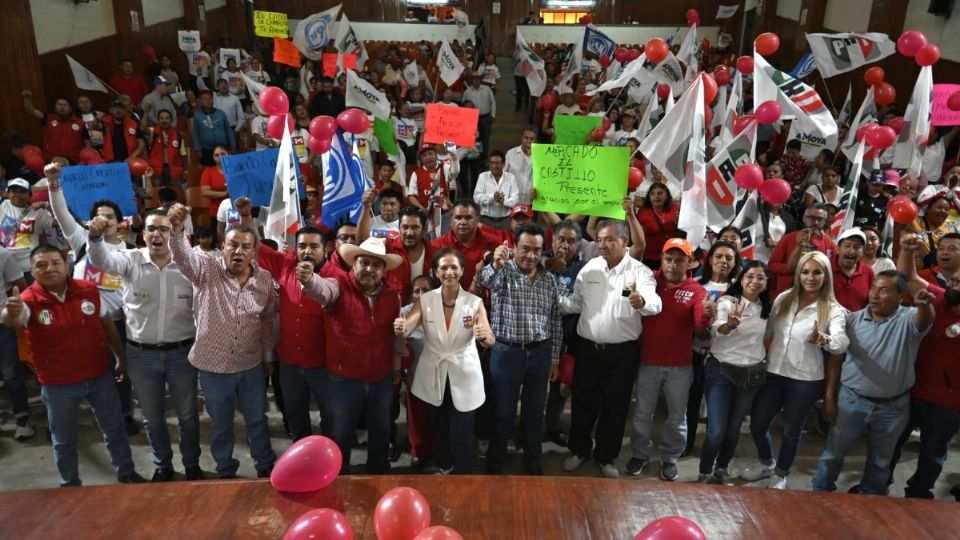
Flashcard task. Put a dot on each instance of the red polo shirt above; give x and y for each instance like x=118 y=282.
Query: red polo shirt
x=302 y=336
x=782 y=275
x=133 y=86
x=938 y=359
x=402 y=276
x=483 y=241
x=852 y=291
x=667 y=338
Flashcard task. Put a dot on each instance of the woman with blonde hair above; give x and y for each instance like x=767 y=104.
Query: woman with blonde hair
x=806 y=320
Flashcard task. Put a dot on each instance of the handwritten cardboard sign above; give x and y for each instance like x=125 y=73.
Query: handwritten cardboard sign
x=578 y=179
x=251 y=175
x=451 y=123
x=270 y=23
x=330 y=63
x=941 y=115
x=285 y=52
x=85 y=184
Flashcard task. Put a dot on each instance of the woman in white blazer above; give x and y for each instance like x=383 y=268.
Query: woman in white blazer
x=448 y=375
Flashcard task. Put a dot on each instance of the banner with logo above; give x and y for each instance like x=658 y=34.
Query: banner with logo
x=722 y=190
x=843 y=52
x=597 y=43
x=449 y=64
x=362 y=94
x=188 y=40
x=313 y=33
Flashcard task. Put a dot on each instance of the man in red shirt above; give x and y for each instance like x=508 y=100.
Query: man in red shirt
x=667 y=359
x=469 y=237
x=73 y=340
x=852 y=278
x=64 y=133
x=128 y=83
x=948 y=260
x=784 y=258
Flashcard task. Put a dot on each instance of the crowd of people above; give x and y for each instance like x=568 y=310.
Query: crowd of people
x=495 y=299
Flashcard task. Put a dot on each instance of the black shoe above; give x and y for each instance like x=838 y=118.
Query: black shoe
x=955 y=491
x=265 y=473
x=131 y=426
x=194 y=472
x=394 y=453
x=635 y=466
x=494 y=470
x=668 y=472
x=534 y=470
x=162 y=474
x=232 y=476
x=131 y=478
x=558 y=438
x=854 y=489
x=417 y=464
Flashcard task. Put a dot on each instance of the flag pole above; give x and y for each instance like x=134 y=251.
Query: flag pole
x=827 y=88
x=436 y=86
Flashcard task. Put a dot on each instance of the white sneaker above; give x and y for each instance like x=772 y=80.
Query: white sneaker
x=609 y=470
x=758 y=472
x=23 y=433
x=572 y=463
x=779 y=482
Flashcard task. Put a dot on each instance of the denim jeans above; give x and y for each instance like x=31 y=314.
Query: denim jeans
x=937 y=426
x=351 y=398
x=454 y=435
x=298 y=385
x=151 y=372
x=675 y=383
x=795 y=398
x=727 y=406
x=224 y=393
x=884 y=422
x=12 y=372
x=510 y=369
x=63 y=408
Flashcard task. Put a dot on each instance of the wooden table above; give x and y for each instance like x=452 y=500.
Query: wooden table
x=502 y=508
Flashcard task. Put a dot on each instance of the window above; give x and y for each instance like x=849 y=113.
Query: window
x=562 y=17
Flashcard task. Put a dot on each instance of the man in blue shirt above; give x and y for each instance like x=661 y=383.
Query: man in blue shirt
x=211 y=128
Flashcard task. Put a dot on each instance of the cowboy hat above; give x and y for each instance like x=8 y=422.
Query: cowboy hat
x=371 y=247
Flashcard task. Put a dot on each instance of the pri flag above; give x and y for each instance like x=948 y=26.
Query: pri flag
x=344 y=181
x=689 y=53
x=846 y=111
x=597 y=43
x=840 y=53
x=347 y=42
x=848 y=195
x=865 y=114
x=313 y=33
x=722 y=190
x=650 y=116
x=916 y=128
x=449 y=64
x=362 y=94
x=283 y=216
x=85 y=78
x=531 y=66
x=254 y=88
x=751 y=228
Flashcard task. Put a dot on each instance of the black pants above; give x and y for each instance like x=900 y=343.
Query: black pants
x=485 y=127
x=123 y=388
x=470 y=169
x=693 y=402
x=453 y=432
x=602 y=383
x=523 y=92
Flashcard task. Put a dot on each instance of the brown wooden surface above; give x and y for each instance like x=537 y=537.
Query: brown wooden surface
x=479 y=507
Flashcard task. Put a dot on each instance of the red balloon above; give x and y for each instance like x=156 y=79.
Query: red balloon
x=709 y=88
x=88 y=154
x=35 y=163
x=902 y=209
x=633 y=54
x=722 y=75
x=604 y=61
x=663 y=91
x=597 y=134
x=775 y=191
x=438 y=532
x=881 y=137
x=97 y=161
x=705 y=45
x=565 y=372
x=274 y=101
x=874 y=75
x=707 y=116
x=150 y=52
x=323 y=127
x=693 y=17
x=749 y=176
x=745 y=64
x=323 y=523
x=620 y=55
x=910 y=42
x=319 y=146
x=742 y=123
x=657 y=50
x=928 y=55
x=353 y=121
x=275 y=125
x=896 y=124
x=310 y=464
x=953 y=102
x=767 y=43
x=635 y=178
x=587 y=19
x=401 y=514
x=767 y=112
x=671 y=528
x=607 y=123
x=138 y=166
x=549 y=102
x=31 y=150
x=864 y=129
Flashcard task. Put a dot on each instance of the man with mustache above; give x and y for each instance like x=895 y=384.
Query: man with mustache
x=852 y=278
x=469 y=237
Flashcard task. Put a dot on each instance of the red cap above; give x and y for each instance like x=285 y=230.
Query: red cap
x=521 y=209
x=678 y=243
x=427 y=146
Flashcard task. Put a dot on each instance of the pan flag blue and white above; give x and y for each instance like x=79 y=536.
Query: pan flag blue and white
x=344 y=182
x=598 y=43
x=805 y=66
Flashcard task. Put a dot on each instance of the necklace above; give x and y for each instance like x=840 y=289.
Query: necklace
x=446 y=305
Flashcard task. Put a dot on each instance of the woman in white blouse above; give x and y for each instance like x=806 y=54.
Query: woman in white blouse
x=806 y=320
x=448 y=375
x=735 y=368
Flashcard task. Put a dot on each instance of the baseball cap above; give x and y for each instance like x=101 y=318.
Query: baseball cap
x=18 y=183
x=678 y=243
x=427 y=146
x=521 y=209
x=160 y=79
x=853 y=232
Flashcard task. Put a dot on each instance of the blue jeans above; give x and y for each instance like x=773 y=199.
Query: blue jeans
x=350 y=398
x=675 y=383
x=727 y=406
x=937 y=426
x=151 y=372
x=513 y=368
x=795 y=398
x=12 y=372
x=63 y=407
x=224 y=392
x=298 y=384
x=884 y=422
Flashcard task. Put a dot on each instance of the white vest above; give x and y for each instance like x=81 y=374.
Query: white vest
x=449 y=353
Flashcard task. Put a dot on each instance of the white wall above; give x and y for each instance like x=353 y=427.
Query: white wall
x=211 y=5
x=789 y=9
x=59 y=24
x=376 y=31
x=620 y=34
x=847 y=15
x=945 y=34
x=158 y=11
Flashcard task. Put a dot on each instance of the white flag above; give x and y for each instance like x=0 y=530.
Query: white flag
x=254 y=88
x=731 y=110
x=840 y=53
x=85 y=78
x=650 y=116
x=449 y=64
x=750 y=225
x=313 y=33
x=725 y=12
x=916 y=125
x=347 y=42
x=188 y=40
x=843 y=220
x=722 y=190
x=531 y=66
x=689 y=52
x=846 y=111
x=669 y=72
x=633 y=71
x=463 y=26
x=411 y=73
x=574 y=63
x=866 y=113
x=283 y=217
x=362 y=94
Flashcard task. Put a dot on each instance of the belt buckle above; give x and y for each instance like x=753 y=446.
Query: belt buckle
x=599 y=346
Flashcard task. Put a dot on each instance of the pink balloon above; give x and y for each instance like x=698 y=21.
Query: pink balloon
x=767 y=112
x=353 y=121
x=745 y=64
x=910 y=42
x=319 y=146
x=275 y=125
x=928 y=55
x=775 y=191
x=401 y=514
x=742 y=123
x=671 y=528
x=749 y=176
x=881 y=137
x=323 y=126
x=274 y=101
x=438 y=532
x=310 y=464
x=621 y=54
x=320 y=523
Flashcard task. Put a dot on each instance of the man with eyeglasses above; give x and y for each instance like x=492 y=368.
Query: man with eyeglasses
x=948 y=261
x=343 y=234
x=787 y=253
x=852 y=278
x=158 y=303
x=235 y=308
